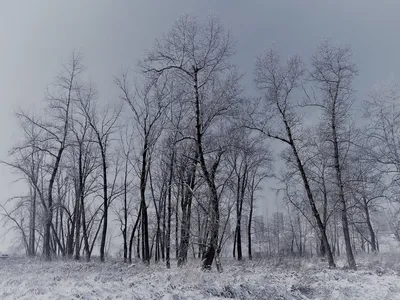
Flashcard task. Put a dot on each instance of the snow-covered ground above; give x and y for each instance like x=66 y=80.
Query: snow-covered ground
x=378 y=277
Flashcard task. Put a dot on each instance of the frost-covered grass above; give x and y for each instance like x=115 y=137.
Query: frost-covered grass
x=378 y=277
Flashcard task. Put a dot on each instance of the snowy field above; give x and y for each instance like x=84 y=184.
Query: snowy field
x=378 y=277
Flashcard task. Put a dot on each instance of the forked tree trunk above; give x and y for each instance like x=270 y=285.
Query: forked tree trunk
x=135 y=226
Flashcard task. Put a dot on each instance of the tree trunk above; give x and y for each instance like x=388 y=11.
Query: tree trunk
x=78 y=232
x=239 y=240
x=78 y=223
x=249 y=245
x=32 y=225
x=177 y=229
x=46 y=237
x=345 y=224
x=125 y=225
x=241 y=188
x=234 y=245
x=325 y=213
x=85 y=231
x=144 y=221
x=370 y=228
x=105 y=204
x=164 y=229
x=49 y=210
x=139 y=240
x=169 y=198
x=132 y=237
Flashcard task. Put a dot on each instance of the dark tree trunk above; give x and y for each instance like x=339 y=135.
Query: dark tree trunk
x=370 y=228
x=105 y=203
x=169 y=198
x=177 y=229
x=164 y=229
x=85 y=231
x=32 y=226
x=49 y=210
x=125 y=222
x=241 y=188
x=78 y=225
x=77 y=237
x=132 y=237
x=345 y=223
x=234 y=245
x=143 y=206
x=325 y=214
x=138 y=240
x=239 y=241
x=249 y=245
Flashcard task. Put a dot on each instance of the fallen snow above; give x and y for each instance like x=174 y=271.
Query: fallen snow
x=377 y=278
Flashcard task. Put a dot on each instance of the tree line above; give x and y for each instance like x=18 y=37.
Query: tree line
x=178 y=161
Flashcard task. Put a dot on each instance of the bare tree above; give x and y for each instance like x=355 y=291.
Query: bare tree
x=321 y=173
x=333 y=73
x=368 y=192
x=126 y=149
x=28 y=162
x=148 y=104
x=279 y=119
x=53 y=139
x=261 y=169
x=248 y=158
x=198 y=55
x=104 y=126
x=382 y=143
x=83 y=167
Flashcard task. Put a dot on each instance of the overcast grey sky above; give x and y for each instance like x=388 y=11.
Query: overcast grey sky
x=37 y=36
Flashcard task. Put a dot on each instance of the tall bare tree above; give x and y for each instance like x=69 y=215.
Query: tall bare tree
x=249 y=159
x=54 y=130
x=333 y=73
x=104 y=125
x=148 y=103
x=382 y=144
x=126 y=149
x=280 y=120
x=198 y=55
